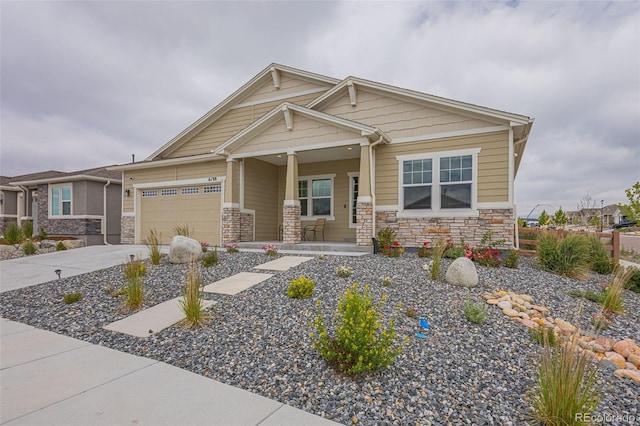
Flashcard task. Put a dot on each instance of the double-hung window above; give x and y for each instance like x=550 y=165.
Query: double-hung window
x=437 y=182
x=316 y=196
x=61 y=200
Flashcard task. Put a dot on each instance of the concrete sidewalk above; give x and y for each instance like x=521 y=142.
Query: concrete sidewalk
x=50 y=379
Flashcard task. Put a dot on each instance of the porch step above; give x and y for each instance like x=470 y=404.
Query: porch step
x=315 y=246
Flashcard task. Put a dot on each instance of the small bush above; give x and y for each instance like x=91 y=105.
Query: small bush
x=183 y=230
x=424 y=250
x=386 y=237
x=27 y=229
x=12 y=233
x=29 y=248
x=192 y=297
x=633 y=281
x=474 y=313
x=601 y=262
x=134 y=292
x=153 y=244
x=210 y=258
x=72 y=298
x=361 y=344
x=231 y=247
x=439 y=249
x=134 y=269
x=452 y=251
x=386 y=281
x=344 y=271
x=568 y=257
x=512 y=259
x=270 y=250
x=544 y=335
x=60 y=246
x=613 y=293
x=42 y=235
x=411 y=312
x=301 y=288
x=589 y=295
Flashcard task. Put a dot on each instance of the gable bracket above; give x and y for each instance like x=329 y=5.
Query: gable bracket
x=288 y=118
x=275 y=75
x=352 y=92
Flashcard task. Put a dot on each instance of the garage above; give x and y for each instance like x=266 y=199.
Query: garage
x=198 y=206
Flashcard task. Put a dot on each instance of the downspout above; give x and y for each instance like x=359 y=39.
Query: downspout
x=372 y=185
x=104 y=213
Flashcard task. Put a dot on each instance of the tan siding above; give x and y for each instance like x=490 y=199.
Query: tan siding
x=288 y=86
x=399 y=118
x=493 y=165
x=261 y=195
x=305 y=132
x=169 y=173
x=228 y=125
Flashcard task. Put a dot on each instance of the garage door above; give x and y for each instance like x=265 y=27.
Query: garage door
x=198 y=206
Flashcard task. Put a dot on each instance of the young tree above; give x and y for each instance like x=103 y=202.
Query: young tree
x=544 y=218
x=595 y=222
x=585 y=207
x=560 y=218
x=632 y=210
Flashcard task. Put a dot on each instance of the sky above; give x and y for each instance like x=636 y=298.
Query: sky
x=87 y=84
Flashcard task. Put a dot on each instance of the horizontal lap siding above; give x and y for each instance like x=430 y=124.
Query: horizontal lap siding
x=260 y=194
x=493 y=164
x=232 y=122
x=399 y=118
x=288 y=86
x=170 y=173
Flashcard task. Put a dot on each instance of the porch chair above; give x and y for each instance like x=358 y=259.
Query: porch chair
x=315 y=229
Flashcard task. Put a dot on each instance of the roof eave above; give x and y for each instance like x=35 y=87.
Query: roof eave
x=71 y=178
x=165 y=162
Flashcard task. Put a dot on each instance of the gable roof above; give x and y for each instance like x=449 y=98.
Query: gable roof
x=234 y=98
x=100 y=174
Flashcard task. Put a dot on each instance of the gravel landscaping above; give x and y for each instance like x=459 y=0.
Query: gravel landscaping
x=259 y=340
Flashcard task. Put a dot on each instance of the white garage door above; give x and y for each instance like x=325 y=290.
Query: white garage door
x=197 y=206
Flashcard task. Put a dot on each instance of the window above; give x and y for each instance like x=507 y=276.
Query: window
x=169 y=192
x=353 y=199
x=61 y=200
x=316 y=196
x=192 y=190
x=150 y=193
x=212 y=189
x=439 y=181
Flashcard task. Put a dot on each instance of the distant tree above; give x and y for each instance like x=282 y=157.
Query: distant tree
x=544 y=218
x=560 y=218
x=632 y=210
x=522 y=223
x=585 y=207
x=595 y=222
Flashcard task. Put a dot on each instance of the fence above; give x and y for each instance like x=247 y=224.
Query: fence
x=527 y=245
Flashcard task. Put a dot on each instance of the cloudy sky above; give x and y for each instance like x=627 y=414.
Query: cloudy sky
x=86 y=84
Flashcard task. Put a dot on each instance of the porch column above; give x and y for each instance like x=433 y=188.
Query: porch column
x=231 y=205
x=291 y=228
x=364 y=203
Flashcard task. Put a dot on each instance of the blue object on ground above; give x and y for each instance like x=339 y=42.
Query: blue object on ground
x=424 y=324
x=421 y=336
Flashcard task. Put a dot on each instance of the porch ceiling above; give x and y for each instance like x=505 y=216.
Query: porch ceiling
x=315 y=156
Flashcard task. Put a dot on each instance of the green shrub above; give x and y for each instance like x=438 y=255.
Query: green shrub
x=361 y=344
x=568 y=257
x=613 y=293
x=134 y=268
x=42 y=235
x=29 y=248
x=439 y=248
x=134 y=292
x=544 y=335
x=601 y=262
x=633 y=281
x=589 y=295
x=60 y=246
x=512 y=259
x=72 y=298
x=210 y=258
x=386 y=237
x=547 y=251
x=192 y=297
x=12 y=233
x=153 y=244
x=474 y=313
x=27 y=229
x=301 y=288
x=411 y=312
x=453 y=251
x=344 y=271
x=386 y=281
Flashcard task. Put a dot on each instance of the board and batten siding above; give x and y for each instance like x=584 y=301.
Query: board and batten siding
x=493 y=164
x=169 y=173
x=260 y=194
x=232 y=122
x=400 y=118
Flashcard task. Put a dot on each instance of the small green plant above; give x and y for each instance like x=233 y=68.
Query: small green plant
x=301 y=288
x=12 y=233
x=361 y=344
x=544 y=335
x=602 y=320
x=134 y=292
x=192 y=297
x=439 y=249
x=512 y=259
x=601 y=262
x=72 y=298
x=204 y=245
x=474 y=313
x=134 y=268
x=589 y=295
x=568 y=257
x=424 y=250
x=27 y=229
x=613 y=293
x=270 y=250
x=386 y=237
x=386 y=281
x=566 y=385
x=153 y=244
x=60 y=246
x=231 y=247
x=42 y=235
x=29 y=248
x=210 y=258
x=183 y=230
x=115 y=292
x=396 y=250
x=411 y=312
x=452 y=251
x=633 y=281
x=344 y=271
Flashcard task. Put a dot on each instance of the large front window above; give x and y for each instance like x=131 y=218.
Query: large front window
x=61 y=200
x=316 y=196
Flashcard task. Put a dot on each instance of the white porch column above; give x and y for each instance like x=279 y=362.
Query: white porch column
x=291 y=228
x=364 y=203
x=230 y=205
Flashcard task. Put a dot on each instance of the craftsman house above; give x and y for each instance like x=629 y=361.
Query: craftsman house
x=85 y=204
x=291 y=147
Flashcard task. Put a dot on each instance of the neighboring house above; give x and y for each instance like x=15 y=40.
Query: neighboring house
x=291 y=146
x=609 y=215
x=85 y=204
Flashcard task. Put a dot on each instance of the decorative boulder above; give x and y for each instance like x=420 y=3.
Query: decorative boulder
x=71 y=244
x=183 y=249
x=462 y=272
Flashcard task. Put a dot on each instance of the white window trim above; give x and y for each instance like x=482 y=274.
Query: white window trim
x=60 y=215
x=351 y=198
x=435 y=210
x=331 y=215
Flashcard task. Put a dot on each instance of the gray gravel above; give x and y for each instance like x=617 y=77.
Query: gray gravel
x=259 y=339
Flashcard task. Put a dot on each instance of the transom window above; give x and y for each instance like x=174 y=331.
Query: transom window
x=61 y=200
x=192 y=190
x=169 y=192
x=150 y=193
x=439 y=181
x=316 y=196
x=212 y=189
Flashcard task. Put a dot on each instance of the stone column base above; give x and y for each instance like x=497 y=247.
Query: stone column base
x=128 y=230
x=364 y=229
x=230 y=225
x=291 y=228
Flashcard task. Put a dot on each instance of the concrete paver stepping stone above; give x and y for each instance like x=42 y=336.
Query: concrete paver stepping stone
x=236 y=283
x=156 y=318
x=284 y=263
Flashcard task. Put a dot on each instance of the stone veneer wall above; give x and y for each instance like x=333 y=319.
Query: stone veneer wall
x=230 y=225
x=291 y=227
x=412 y=232
x=127 y=229
x=246 y=226
x=364 y=216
